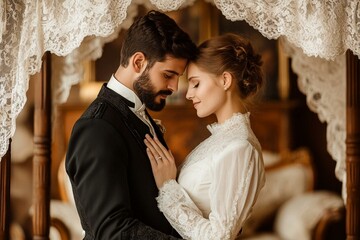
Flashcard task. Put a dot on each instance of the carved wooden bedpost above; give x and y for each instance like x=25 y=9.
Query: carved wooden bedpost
x=42 y=151
x=352 y=146
x=5 y=194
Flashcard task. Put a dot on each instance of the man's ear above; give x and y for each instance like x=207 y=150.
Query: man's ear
x=226 y=80
x=138 y=61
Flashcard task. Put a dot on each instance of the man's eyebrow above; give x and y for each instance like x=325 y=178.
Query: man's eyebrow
x=173 y=72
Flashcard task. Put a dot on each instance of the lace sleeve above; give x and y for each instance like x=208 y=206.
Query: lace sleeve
x=237 y=177
x=178 y=208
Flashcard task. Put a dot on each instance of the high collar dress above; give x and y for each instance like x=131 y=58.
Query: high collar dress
x=218 y=183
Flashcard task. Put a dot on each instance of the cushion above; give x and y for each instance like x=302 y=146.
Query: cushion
x=298 y=217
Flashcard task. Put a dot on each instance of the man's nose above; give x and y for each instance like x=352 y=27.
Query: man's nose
x=173 y=85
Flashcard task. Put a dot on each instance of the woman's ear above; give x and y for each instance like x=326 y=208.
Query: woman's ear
x=138 y=61
x=226 y=80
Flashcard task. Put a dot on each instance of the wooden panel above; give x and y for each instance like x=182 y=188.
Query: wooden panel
x=5 y=194
x=271 y=122
x=352 y=146
x=185 y=130
x=42 y=150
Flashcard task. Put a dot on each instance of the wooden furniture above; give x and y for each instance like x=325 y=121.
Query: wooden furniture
x=5 y=195
x=269 y=120
x=42 y=151
x=184 y=130
x=288 y=207
x=352 y=146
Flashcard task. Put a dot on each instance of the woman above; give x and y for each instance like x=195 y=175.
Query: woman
x=221 y=178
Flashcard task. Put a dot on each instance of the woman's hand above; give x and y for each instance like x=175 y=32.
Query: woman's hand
x=162 y=161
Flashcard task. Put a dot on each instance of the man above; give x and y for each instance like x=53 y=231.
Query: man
x=106 y=161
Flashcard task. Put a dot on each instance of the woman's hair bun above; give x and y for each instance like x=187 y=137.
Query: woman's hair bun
x=252 y=78
x=235 y=54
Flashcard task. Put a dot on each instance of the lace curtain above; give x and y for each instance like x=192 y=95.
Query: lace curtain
x=324 y=84
x=319 y=31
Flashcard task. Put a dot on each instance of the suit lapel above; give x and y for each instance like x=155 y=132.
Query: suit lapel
x=137 y=127
x=158 y=132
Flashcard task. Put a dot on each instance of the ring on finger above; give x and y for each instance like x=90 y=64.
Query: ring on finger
x=158 y=158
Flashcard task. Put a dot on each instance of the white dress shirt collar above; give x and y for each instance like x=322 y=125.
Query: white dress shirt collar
x=127 y=93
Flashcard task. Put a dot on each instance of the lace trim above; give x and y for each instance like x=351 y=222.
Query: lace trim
x=171 y=197
x=166 y=200
x=236 y=199
x=230 y=123
x=237 y=127
x=307 y=24
x=171 y=5
x=324 y=84
x=181 y=212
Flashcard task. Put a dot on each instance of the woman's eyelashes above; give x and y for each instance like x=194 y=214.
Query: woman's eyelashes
x=194 y=84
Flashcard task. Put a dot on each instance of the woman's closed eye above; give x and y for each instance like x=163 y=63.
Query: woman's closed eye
x=194 y=84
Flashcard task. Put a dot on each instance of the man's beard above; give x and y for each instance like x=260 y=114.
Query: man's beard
x=145 y=90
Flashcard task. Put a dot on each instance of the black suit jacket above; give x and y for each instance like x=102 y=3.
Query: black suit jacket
x=113 y=185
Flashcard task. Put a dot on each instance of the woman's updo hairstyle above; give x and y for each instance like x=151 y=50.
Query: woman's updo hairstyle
x=234 y=54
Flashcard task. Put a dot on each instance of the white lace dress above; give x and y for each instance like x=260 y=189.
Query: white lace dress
x=218 y=183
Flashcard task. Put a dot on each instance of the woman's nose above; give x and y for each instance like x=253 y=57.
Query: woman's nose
x=189 y=95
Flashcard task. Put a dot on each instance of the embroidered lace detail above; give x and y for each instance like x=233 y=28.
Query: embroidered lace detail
x=30 y=28
x=307 y=24
x=237 y=127
x=166 y=200
x=171 y=196
x=69 y=70
x=230 y=123
x=171 y=5
x=186 y=218
x=324 y=84
x=235 y=210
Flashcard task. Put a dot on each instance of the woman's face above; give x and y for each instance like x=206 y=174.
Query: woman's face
x=205 y=91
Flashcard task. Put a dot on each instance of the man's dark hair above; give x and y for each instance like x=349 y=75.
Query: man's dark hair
x=156 y=35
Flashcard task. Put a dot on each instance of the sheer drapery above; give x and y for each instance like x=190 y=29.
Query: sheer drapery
x=324 y=84
x=320 y=28
x=30 y=28
x=77 y=30
x=68 y=70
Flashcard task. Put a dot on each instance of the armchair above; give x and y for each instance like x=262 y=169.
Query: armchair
x=289 y=208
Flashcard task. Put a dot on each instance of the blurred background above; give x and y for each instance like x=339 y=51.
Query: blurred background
x=302 y=197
